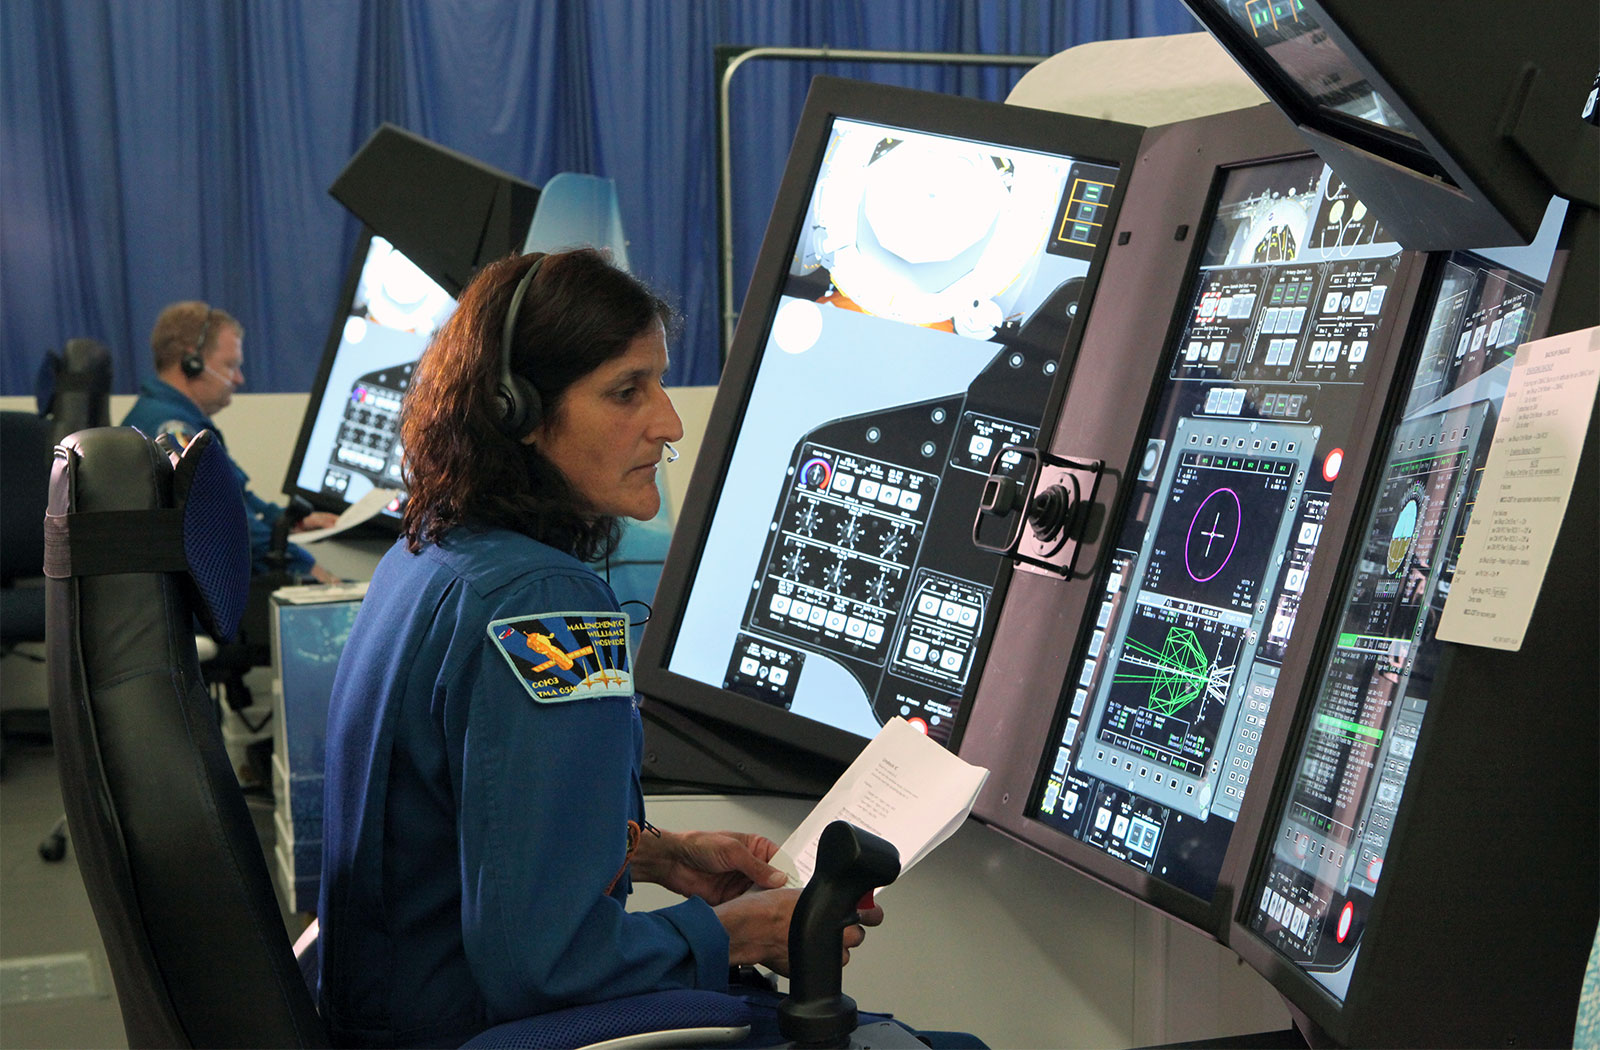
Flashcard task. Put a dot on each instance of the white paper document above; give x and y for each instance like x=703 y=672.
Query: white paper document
x=904 y=788
x=1523 y=496
x=363 y=509
x=317 y=593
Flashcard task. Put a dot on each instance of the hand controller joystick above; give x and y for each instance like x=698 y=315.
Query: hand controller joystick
x=850 y=864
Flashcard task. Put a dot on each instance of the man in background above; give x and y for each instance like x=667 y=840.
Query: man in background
x=199 y=359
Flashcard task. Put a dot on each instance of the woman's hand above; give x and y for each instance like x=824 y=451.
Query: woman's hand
x=716 y=866
x=758 y=928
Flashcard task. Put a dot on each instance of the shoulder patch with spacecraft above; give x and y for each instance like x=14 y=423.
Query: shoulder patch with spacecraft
x=178 y=430
x=560 y=656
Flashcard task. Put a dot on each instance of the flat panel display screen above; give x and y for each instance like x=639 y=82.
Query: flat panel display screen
x=1330 y=840
x=1289 y=312
x=919 y=327
x=1295 y=42
x=350 y=441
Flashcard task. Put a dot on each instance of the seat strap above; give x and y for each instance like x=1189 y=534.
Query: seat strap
x=106 y=542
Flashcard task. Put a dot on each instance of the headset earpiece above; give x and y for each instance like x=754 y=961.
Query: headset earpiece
x=193 y=363
x=517 y=404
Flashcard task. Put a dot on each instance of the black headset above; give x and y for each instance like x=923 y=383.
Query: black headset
x=193 y=364
x=516 y=401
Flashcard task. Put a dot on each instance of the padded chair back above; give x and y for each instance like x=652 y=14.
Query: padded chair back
x=25 y=444
x=168 y=851
x=75 y=387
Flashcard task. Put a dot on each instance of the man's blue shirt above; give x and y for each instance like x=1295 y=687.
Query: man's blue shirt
x=164 y=409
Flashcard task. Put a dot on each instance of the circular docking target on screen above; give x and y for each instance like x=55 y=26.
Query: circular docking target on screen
x=1213 y=534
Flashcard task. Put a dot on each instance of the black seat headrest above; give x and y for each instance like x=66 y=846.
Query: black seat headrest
x=204 y=536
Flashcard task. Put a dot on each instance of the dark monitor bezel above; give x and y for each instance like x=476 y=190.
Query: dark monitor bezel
x=1486 y=155
x=447 y=212
x=1443 y=989
x=1082 y=138
x=388 y=524
x=1106 y=415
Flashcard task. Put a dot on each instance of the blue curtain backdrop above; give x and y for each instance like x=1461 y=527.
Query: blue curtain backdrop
x=166 y=149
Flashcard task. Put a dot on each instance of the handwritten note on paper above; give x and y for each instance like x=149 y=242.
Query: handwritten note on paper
x=1526 y=484
x=903 y=787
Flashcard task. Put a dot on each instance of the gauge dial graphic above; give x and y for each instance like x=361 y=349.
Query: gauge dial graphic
x=795 y=564
x=807 y=521
x=1404 y=532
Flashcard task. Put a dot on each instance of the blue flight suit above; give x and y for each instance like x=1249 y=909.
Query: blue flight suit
x=164 y=409
x=471 y=831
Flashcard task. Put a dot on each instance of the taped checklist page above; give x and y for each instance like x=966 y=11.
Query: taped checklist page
x=1527 y=482
x=903 y=787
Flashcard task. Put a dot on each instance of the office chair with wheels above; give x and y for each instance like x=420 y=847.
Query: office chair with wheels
x=168 y=851
x=140 y=542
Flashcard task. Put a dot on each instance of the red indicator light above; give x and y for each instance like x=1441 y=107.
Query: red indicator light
x=919 y=725
x=1345 y=918
x=1331 y=465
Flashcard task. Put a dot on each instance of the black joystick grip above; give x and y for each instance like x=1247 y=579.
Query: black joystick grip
x=278 y=546
x=850 y=864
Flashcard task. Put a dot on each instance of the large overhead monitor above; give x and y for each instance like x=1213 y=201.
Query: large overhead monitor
x=1261 y=307
x=448 y=212
x=388 y=310
x=1456 y=123
x=910 y=315
x=1427 y=866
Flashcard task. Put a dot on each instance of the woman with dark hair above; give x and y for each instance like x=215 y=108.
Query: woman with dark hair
x=483 y=816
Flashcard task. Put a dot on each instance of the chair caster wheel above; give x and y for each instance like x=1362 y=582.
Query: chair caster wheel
x=54 y=845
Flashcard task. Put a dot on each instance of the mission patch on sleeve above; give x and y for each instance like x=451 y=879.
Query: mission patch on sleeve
x=178 y=431
x=567 y=655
